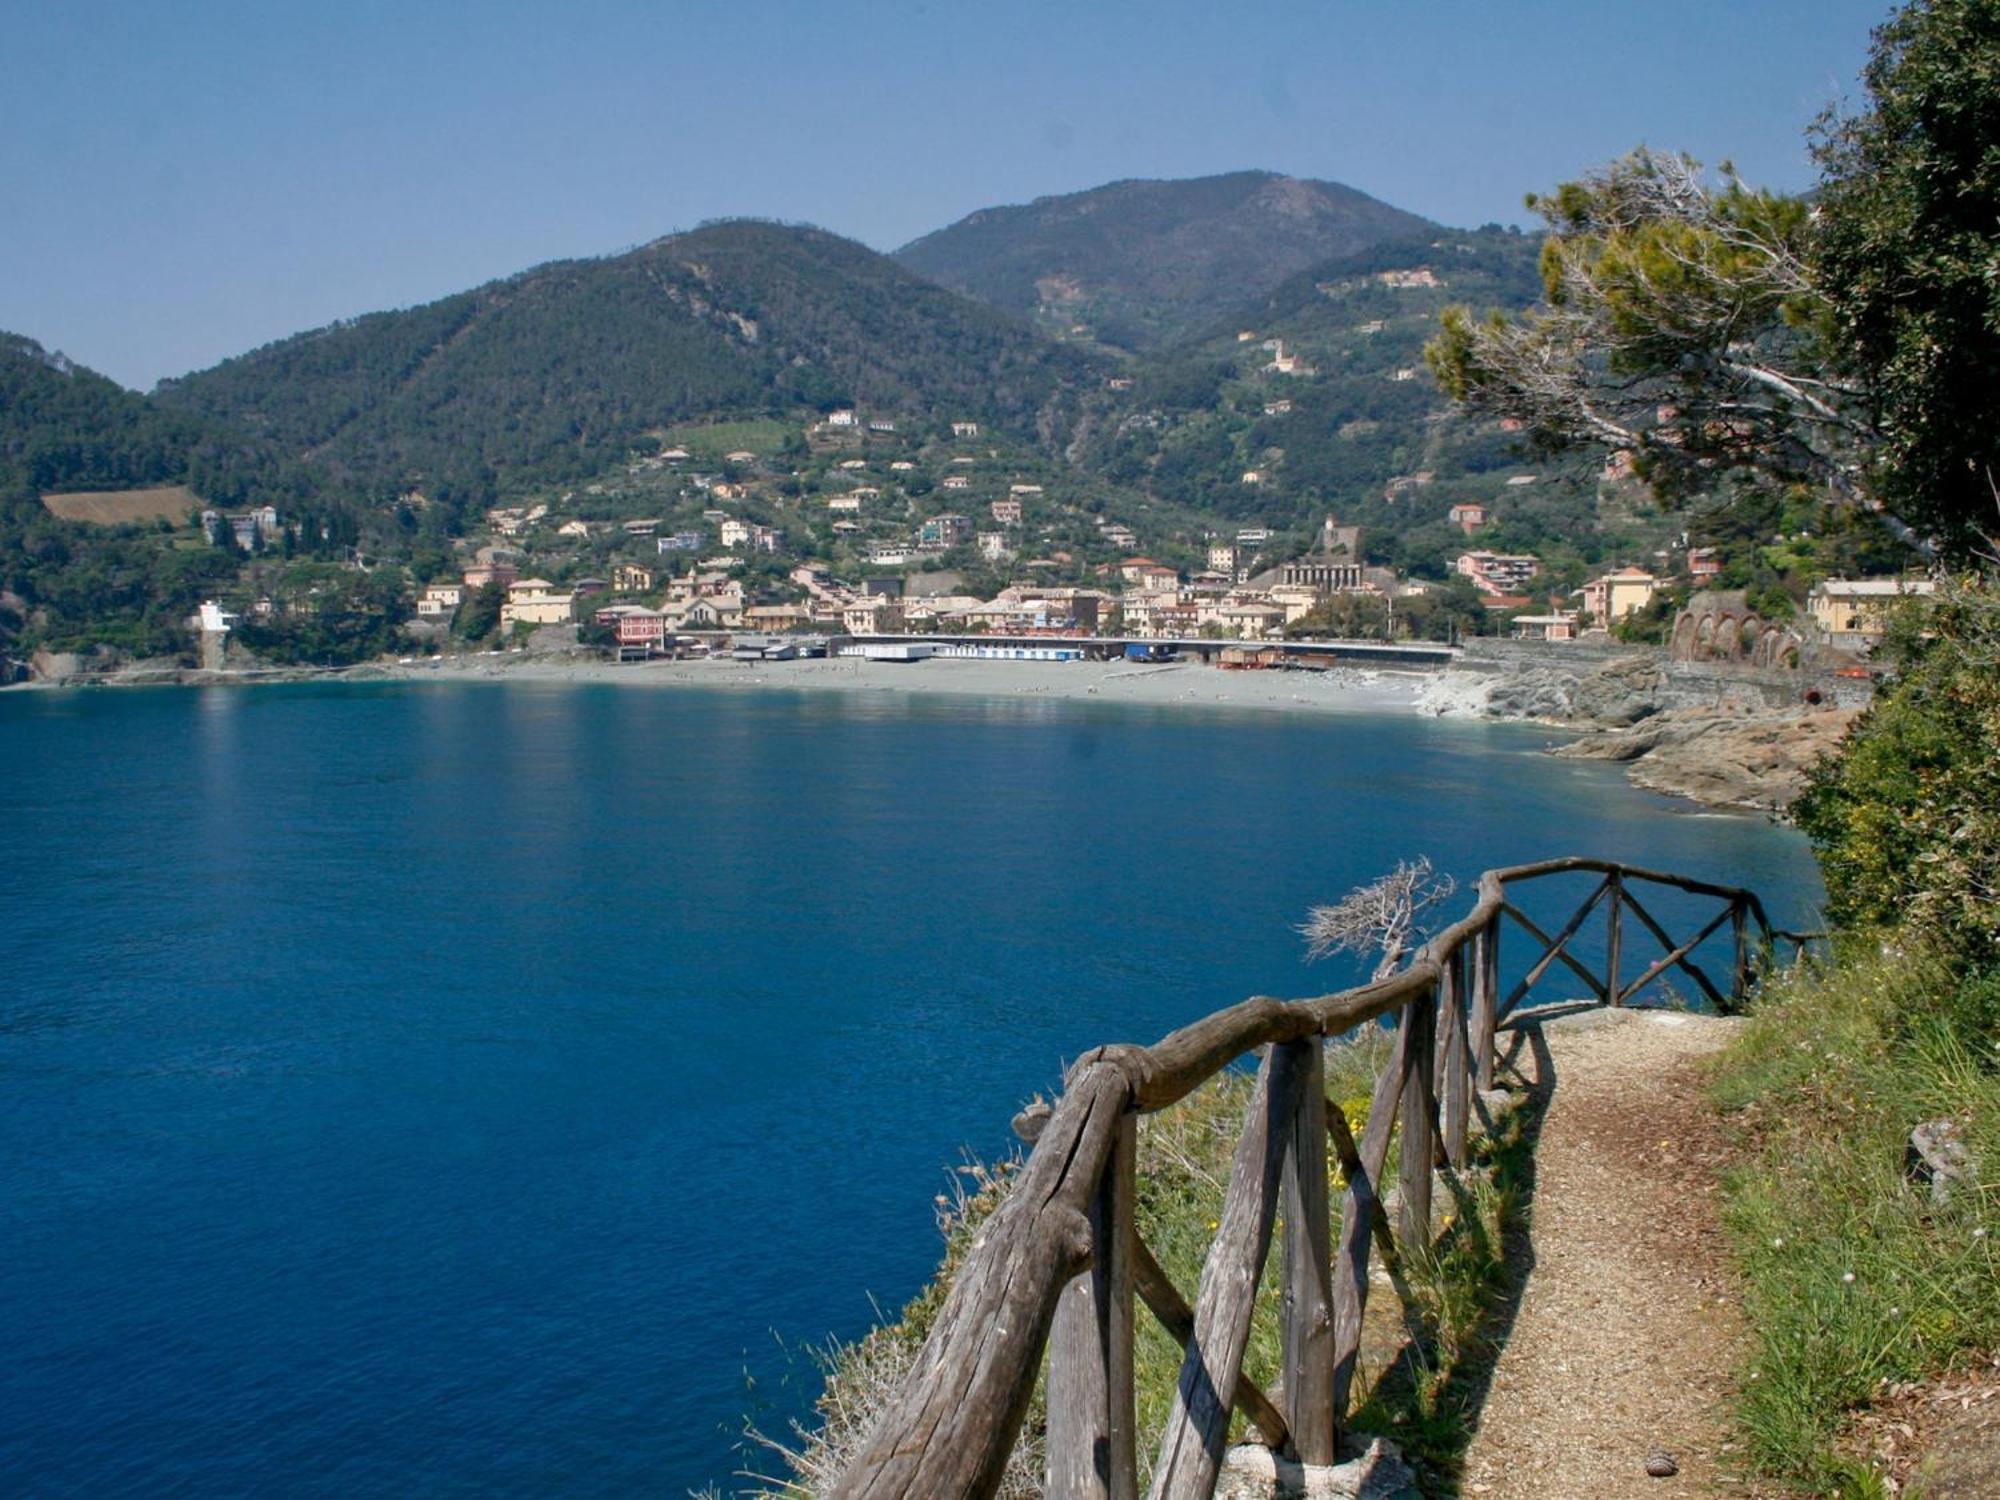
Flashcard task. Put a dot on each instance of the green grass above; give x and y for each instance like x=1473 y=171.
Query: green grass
x=714 y=439
x=1854 y=1277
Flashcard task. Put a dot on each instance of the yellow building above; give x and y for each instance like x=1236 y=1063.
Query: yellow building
x=1609 y=599
x=1854 y=612
x=536 y=601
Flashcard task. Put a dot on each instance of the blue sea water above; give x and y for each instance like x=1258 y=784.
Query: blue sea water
x=467 y=1089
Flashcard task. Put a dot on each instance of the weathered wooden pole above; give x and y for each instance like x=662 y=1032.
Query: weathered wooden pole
x=1308 y=1292
x=1455 y=1077
x=1739 y=917
x=1614 y=931
x=1198 y=1426
x=1485 y=1000
x=1092 y=1426
x=1419 y=1122
x=1359 y=1208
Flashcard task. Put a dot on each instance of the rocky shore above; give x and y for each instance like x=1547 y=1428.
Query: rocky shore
x=1724 y=736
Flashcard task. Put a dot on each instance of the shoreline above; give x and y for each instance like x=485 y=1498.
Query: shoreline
x=1162 y=684
x=1747 y=765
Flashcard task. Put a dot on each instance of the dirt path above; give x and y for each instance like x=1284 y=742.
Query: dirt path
x=1627 y=1331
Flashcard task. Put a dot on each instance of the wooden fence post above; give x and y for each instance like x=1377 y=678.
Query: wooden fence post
x=1485 y=1000
x=1308 y=1294
x=1739 y=917
x=1419 y=1122
x=1455 y=1082
x=1358 y=1209
x=1614 y=932
x=1198 y=1426
x=1092 y=1425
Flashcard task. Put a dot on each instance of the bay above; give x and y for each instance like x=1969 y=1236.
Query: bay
x=467 y=1089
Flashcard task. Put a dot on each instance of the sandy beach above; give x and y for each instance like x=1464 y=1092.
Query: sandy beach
x=1178 y=684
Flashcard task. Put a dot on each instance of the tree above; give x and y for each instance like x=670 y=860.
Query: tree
x=1683 y=325
x=1381 y=918
x=1906 y=257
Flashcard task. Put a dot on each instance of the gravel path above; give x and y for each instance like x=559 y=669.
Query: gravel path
x=1627 y=1331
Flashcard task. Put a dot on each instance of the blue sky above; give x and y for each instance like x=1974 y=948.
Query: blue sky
x=186 y=181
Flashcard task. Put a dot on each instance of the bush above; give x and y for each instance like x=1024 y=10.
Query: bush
x=1906 y=819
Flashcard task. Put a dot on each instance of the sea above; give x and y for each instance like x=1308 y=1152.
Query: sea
x=505 y=1089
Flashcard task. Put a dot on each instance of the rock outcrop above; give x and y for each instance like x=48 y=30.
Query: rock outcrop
x=1722 y=759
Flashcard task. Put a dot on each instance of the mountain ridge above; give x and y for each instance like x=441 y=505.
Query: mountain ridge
x=555 y=369
x=1143 y=262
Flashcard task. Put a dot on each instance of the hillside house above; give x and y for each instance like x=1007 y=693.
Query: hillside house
x=1007 y=512
x=993 y=546
x=712 y=613
x=740 y=456
x=735 y=533
x=1468 y=516
x=681 y=541
x=945 y=531
x=536 y=601
x=957 y=482
x=1704 y=564
x=1222 y=557
x=1854 y=612
x=479 y=575
x=1498 y=572
x=965 y=429
x=1278 y=408
x=775 y=619
x=1609 y=599
x=842 y=418
x=631 y=578
x=249 y=529
x=1405 y=281
x=641 y=631
x=439 y=599
x=844 y=505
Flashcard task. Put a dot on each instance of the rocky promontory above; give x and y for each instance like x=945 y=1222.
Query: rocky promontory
x=1720 y=734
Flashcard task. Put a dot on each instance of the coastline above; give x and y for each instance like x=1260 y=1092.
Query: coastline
x=1728 y=754
x=1164 y=684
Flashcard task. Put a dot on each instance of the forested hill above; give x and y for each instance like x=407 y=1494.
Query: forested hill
x=1355 y=425
x=551 y=373
x=63 y=427
x=1139 y=264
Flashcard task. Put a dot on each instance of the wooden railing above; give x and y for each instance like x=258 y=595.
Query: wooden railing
x=1060 y=1264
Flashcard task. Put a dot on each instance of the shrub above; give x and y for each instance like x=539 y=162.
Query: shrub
x=1906 y=818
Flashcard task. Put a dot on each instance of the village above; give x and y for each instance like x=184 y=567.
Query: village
x=853 y=529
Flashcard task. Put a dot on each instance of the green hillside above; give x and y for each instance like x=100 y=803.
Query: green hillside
x=1359 y=430
x=1137 y=265
x=552 y=374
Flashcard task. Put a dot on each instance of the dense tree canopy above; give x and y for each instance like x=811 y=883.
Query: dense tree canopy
x=1907 y=258
x=1850 y=342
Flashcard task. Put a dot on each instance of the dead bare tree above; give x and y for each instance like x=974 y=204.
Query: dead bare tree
x=1380 y=918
